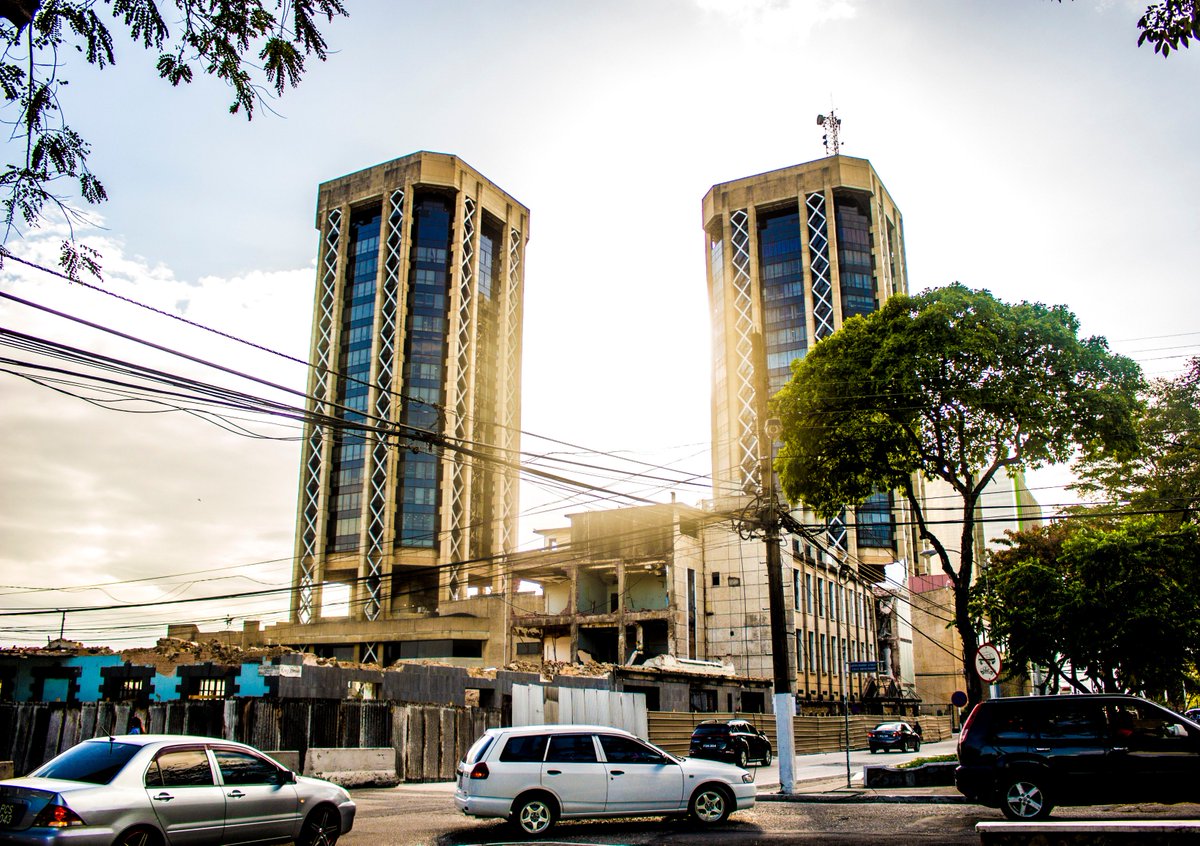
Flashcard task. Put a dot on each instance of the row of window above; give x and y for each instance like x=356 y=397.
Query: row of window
x=819 y=653
x=822 y=597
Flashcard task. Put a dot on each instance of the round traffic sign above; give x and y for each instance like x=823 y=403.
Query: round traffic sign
x=958 y=699
x=987 y=662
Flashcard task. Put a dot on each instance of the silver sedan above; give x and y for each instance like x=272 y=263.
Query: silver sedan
x=149 y=790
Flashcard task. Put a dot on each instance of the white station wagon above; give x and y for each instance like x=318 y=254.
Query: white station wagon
x=536 y=775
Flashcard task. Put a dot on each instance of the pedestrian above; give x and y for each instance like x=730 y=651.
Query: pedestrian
x=917 y=729
x=135 y=724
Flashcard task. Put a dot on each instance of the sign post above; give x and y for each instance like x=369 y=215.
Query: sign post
x=988 y=662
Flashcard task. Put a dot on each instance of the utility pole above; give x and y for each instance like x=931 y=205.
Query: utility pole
x=769 y=519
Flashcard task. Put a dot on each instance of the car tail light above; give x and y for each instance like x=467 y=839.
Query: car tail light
x=966 y=726
x=56 y=816
x=480 y=770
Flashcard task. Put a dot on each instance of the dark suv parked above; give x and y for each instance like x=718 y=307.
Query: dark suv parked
x=1027 y=754
x=736 y=741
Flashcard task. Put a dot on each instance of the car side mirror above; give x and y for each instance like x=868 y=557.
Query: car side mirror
x=285 y=777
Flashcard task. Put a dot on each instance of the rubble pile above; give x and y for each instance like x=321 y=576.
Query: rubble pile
x=170 y=652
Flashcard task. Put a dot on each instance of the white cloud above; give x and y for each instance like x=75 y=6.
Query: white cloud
x=775 y=21
x=90 y=495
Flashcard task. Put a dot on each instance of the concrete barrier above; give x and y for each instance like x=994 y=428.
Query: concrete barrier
x=290 y=758
x=1089 y=832
x=372 y=767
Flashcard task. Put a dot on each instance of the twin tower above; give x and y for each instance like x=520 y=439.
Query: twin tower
x=409 y=469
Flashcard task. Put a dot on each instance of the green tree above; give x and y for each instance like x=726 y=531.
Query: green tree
x=252 y=45
x=1111 y=604
x=956 y=385
x=1169 y=25
x=1163 y=476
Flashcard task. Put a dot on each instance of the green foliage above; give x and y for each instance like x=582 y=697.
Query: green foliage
x=955 y=385
x=1169 y=25
x=1113 y=602
x=1163 y=476
x=220 y=38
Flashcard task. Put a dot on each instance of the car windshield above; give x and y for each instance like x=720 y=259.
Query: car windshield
x=94 y=762
x=713 y=728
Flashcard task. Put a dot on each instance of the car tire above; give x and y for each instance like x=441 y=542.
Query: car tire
x=741 y=757
x=534 y=814
x=767 y=758
x=874 y=750
x=138 y=837
x=711 y=804
x=1025 y=798
x=321 y=827
x=917 y=746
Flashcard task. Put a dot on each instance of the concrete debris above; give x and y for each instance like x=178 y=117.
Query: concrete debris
x=171 y=652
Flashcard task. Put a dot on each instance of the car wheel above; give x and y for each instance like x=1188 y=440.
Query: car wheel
x=322 y=827
x=534 y=815
x=767 y=758
x=917 y=746
x=138 y=837
x=1025 y=799
x=710 y=805
x=874 y=750
x=741 y=757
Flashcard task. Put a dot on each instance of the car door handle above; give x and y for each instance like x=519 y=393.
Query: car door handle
x=1041 y=749
x=616 y=772
x=1120 y=749
x=163 y=797
x=235 y=794
x=553 y=772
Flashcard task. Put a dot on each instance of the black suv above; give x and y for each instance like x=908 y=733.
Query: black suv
x=736 y=741
x=1027 y=754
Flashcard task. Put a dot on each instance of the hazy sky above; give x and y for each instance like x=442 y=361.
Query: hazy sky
x=1032 y=148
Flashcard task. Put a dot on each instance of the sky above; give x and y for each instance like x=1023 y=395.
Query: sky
x=1032 y=147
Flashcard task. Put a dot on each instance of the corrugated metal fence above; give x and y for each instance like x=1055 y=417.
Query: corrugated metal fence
x=672 y=730
x=428 y=739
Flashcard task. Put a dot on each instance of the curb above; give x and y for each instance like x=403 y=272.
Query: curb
x=848 y=798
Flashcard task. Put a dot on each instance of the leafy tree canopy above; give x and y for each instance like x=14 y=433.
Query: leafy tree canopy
x=1110 y=605
x=1169 y=25
x=1163 y=476
x=255 y=46
x=955 y=385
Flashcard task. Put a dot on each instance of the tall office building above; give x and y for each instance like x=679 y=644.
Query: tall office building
x=416 y=350
x=792 y=254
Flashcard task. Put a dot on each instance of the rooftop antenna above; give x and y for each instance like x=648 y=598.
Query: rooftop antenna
x=832 y=125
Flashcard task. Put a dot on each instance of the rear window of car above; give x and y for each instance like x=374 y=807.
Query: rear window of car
x=92 y=762
x=478 y=749
x=889 y=727
x=714 y=728
x=524 y=748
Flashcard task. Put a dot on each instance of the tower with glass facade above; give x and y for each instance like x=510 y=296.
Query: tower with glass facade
x=792 y=254
x=408 y=488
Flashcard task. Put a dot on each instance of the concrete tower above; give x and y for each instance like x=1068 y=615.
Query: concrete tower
x=416 y=351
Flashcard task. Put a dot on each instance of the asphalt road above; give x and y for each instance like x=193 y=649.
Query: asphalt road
x=424 y=815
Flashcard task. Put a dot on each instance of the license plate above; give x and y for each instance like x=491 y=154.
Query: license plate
x=11 y=813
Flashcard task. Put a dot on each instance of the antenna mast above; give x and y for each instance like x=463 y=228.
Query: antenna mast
x=832 y=125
